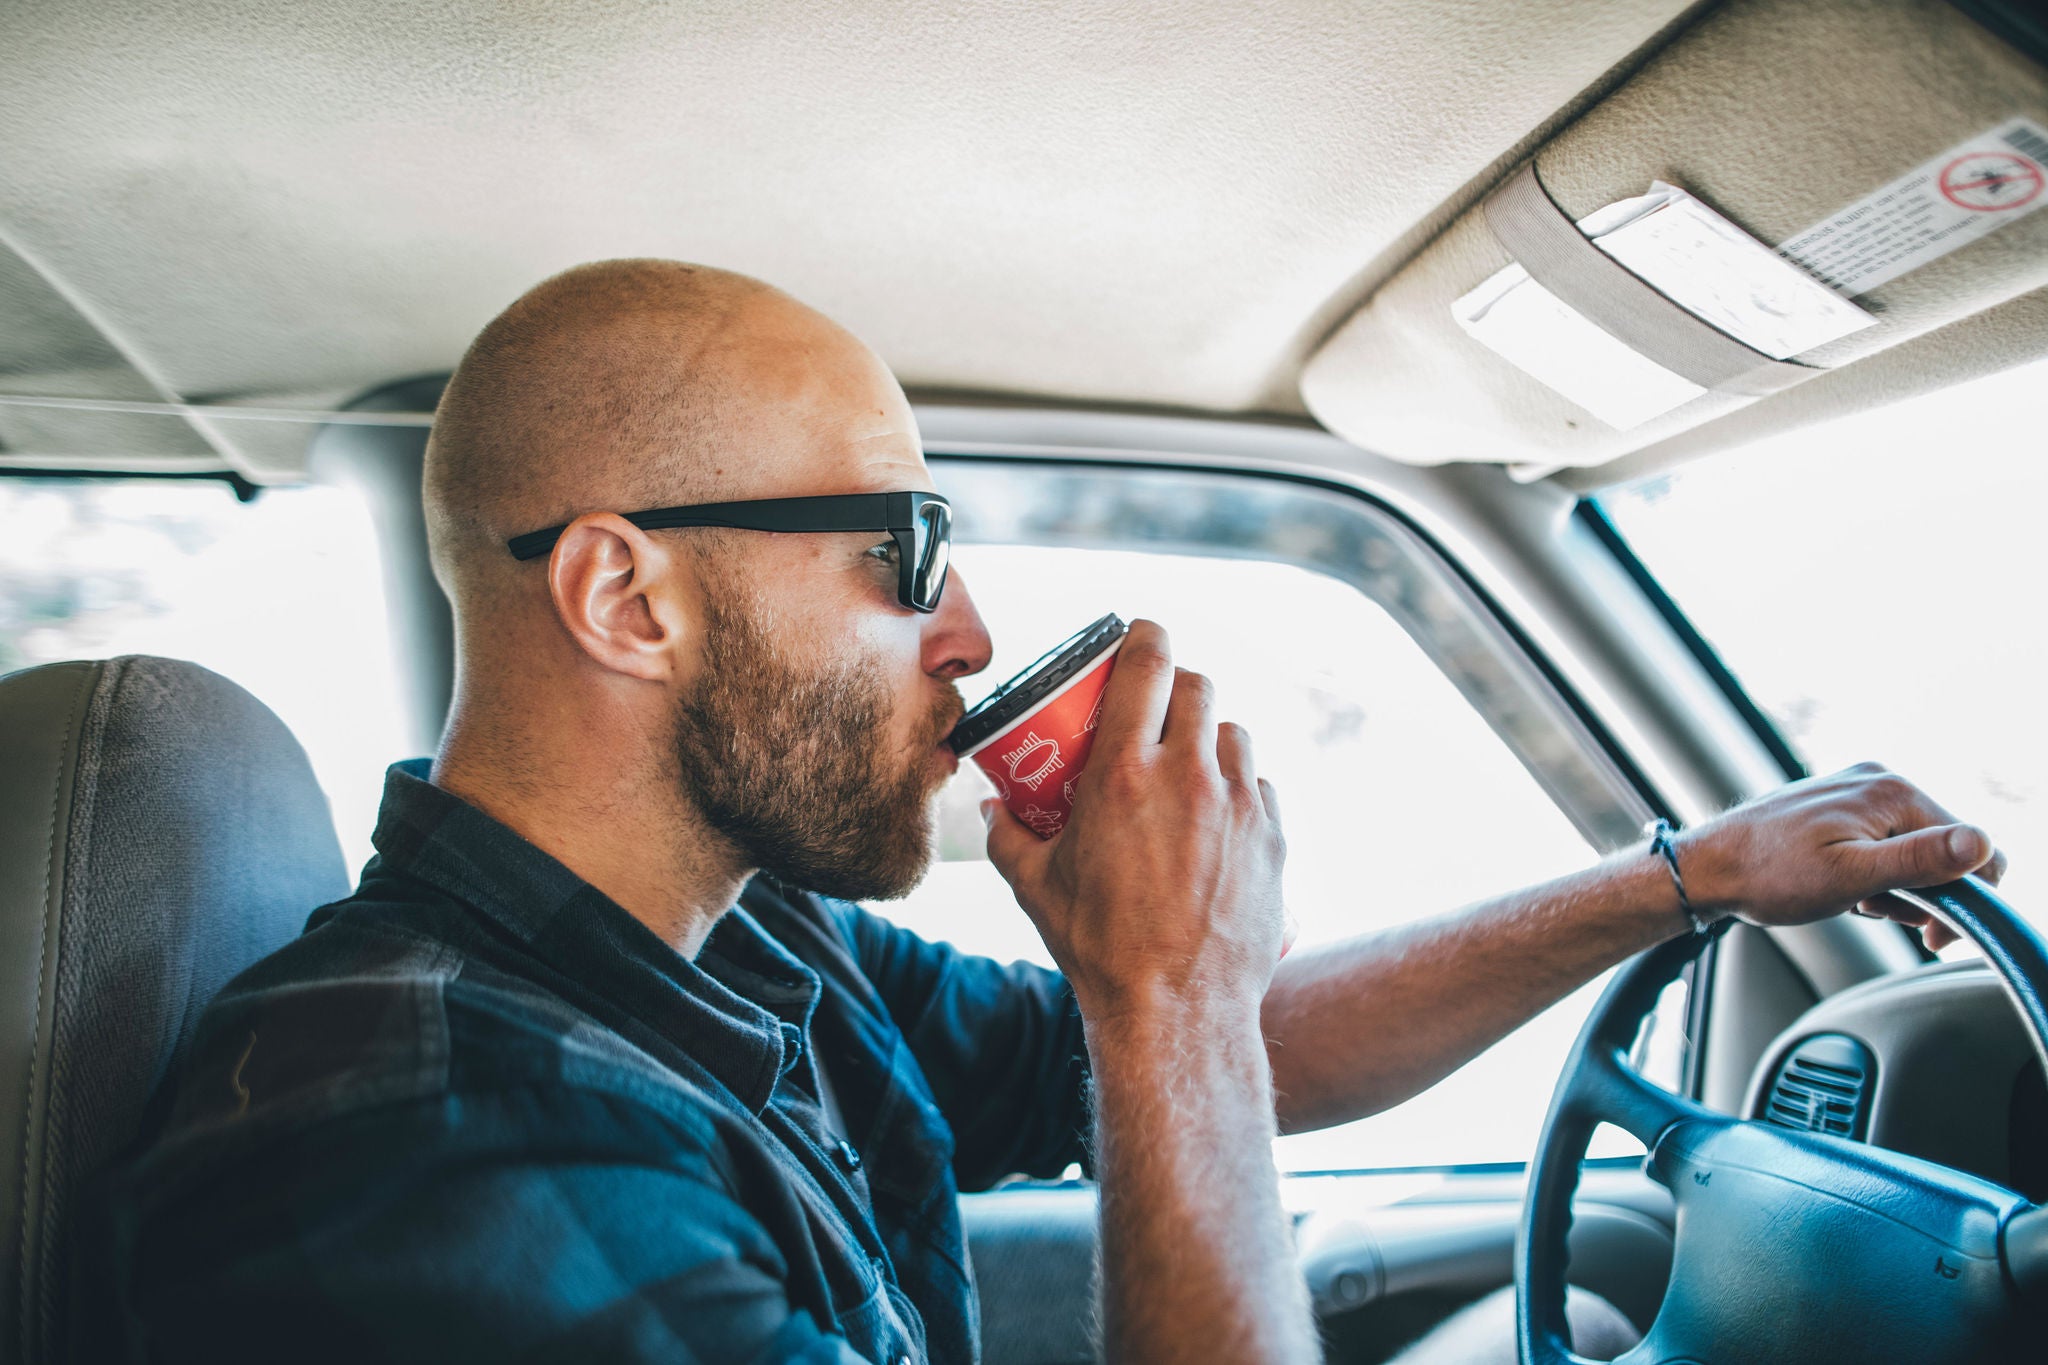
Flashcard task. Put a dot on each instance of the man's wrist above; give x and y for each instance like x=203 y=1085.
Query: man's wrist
x=1147 y=1024
x=1189 y=997
x=1664 y=847
x=1145 y=1011
x=1646 y=880
x=1703 y=863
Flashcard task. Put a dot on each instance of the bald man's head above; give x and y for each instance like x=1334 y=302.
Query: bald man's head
x=628 y=384
x=769 y=691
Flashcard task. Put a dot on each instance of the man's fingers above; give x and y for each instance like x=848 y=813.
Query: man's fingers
x=1926 y=857
x=1016 y=852
x=1994 y=871
x=1933 y=932
x=1234 y=754
x=1921 y=811
x=1888 y=906
x=1937 y=848
x=1937 y=935
x=1271 y=799
x=1134 y=701
x=1191 y=714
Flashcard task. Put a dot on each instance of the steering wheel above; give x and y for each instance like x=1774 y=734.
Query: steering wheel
x=1793 y=1246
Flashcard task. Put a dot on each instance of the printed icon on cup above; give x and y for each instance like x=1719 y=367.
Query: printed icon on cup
x=1012 y=734
x=1044 y=823
x=1033 y=760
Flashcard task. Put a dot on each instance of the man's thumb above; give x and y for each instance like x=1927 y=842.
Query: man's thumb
x=1929 y=857
x=1012 y=846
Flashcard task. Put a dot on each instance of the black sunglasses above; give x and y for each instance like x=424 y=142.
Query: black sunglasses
x=922 y=524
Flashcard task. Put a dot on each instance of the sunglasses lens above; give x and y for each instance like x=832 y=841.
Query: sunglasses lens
x=934 y=544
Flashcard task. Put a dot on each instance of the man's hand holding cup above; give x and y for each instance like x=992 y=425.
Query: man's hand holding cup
x=1163 y=888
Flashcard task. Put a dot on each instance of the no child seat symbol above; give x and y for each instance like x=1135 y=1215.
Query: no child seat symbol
x=1991 y=182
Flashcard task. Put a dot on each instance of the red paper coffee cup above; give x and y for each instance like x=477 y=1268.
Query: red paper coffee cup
x=1032 y=735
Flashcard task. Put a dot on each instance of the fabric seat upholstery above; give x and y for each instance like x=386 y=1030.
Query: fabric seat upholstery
x=160 y=830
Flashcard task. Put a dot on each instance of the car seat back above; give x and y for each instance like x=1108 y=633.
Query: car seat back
x=160 y=830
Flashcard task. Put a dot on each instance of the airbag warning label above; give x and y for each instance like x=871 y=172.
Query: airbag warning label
x=1970 y=190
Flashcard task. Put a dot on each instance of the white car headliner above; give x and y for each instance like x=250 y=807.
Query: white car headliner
x=1161 y=204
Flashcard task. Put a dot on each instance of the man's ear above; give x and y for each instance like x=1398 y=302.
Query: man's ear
x=619 y=593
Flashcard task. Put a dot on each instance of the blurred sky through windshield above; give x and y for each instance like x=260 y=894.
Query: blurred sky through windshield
x=1876 y=584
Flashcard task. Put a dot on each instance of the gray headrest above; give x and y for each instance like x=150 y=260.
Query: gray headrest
x=160 y=830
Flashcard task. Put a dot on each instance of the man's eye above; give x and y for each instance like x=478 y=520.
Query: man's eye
x=887 y=552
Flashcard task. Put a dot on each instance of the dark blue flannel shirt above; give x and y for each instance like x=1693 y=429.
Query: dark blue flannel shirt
x=479 y=1112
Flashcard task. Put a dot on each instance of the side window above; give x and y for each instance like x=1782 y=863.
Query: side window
x=283 y=595
x=1420 y=764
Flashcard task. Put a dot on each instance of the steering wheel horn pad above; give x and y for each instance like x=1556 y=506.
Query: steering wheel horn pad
x=1789 y=1246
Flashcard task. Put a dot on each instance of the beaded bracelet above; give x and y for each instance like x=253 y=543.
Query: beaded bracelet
x=1663 y=839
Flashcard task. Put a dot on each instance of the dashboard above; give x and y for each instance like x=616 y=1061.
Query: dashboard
x=1932 y=1062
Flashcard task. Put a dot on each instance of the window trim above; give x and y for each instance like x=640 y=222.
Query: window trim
x=1571 y=709
x=1589 y=511
x=243 y=490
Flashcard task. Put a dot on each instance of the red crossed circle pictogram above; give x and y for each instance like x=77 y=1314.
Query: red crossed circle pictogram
x=1991 y=182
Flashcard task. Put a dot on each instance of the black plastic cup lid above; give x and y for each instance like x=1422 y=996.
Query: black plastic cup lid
x=993 y=713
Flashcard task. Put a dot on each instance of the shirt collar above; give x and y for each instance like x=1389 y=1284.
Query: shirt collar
x=742 y=1009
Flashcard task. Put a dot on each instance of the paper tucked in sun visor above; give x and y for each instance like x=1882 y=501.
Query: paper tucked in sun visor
x=1862 y=136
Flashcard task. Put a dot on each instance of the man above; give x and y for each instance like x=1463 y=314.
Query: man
x=538 y=1089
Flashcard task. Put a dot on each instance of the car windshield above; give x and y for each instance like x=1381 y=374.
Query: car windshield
x=1875 y=584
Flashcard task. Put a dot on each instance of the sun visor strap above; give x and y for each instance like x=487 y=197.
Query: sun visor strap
x=1545 y=242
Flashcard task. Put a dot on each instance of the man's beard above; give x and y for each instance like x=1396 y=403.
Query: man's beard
x=792 y=766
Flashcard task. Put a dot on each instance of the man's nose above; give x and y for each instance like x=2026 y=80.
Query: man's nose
x=956 y=643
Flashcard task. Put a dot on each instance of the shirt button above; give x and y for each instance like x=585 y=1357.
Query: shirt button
x=848 y=1155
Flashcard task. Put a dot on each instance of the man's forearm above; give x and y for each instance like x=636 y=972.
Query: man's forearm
x=1359 y=1026
x=1196 y=1262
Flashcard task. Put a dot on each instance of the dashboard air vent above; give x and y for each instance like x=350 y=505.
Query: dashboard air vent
x=1824 y=1086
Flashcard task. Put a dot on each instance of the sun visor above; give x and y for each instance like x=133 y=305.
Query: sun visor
x=1791 y=186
